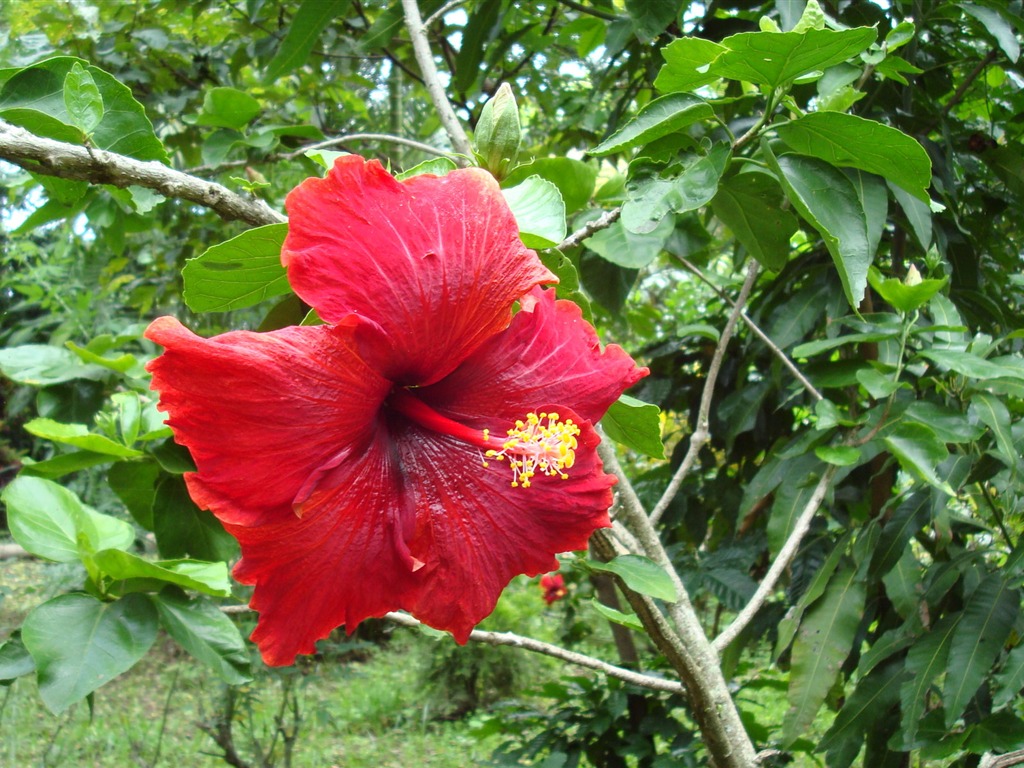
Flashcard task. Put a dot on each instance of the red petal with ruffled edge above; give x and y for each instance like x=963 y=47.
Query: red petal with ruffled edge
x=549 y=355
x=475 y=532
x=435 y=262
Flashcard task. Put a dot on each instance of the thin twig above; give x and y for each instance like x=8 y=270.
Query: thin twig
x=701 y=433
x=425 y=59
x=70 y=161
x=581 y=234
x=452 y=4
x=779 y=565
x=529 y=644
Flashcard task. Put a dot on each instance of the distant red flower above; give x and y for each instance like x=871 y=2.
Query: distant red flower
x=553 y=586
x=364 y=465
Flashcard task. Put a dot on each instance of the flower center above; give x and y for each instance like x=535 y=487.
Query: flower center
x=540 y=444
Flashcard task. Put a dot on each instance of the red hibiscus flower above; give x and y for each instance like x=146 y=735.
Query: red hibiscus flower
x=553 y=586
x=421 y=448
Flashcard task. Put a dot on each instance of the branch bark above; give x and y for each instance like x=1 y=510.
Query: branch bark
x=97 y=166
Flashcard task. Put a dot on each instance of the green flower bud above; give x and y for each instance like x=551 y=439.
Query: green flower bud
x=498 y=134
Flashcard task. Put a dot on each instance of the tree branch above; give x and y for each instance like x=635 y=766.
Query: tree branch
x=70 y=161
x=779 y=565
x=421 y=47
x=701 y=433
x=529 y=644
x=577 y=237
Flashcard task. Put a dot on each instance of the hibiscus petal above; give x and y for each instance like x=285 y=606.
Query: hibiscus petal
x=475 y=532
x=261 y=412
x=435 y=262
x=549 y=354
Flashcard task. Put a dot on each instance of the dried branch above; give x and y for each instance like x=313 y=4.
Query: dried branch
x=577 y=237
x=70 y=161
x=421 y=48
x=701 y=433
x=529 y=644
x=779 y=565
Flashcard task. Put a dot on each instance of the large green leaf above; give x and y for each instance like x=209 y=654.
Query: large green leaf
x=660 y=117
x=79 y=436
x=237 y=273
x=919 y=451
x=993 y=413
x=539 y=210
x=848 y=140
x=210 y=578
x=35 y=99
x=968 y=364
x=872 y=699
x=826 y=198
x=950 y=425
x=749 y=204
x=41 y=365
x=694 y=186
x=135 y=485
x=639 y=574
x=988 y=619
x=228 y=108
x=686 y=63
x=203 y=630
x=926 y=660
x=651 y=17
x=574 y=178
x=15 y=660
x=791 y=498
x=821 y=646
x=311 y=18
x=635 y=424
x=774 y=59
x=481 y=27
x=627 y=249
x=79 y=643
x=184 y=530
x=51 y=522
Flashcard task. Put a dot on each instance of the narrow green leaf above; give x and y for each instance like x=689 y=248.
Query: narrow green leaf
x=824 y=196
x=794 y=617
x=636 y=425
x=822 y=644
x=41 y=365
x=539 y=210
x=909 y=517
x=749 y=204
x=237 y=273
x=996 y=25
x=872 y=699
x=774 y=59
x=918 y=213
x=483 y=24
x=79 y=436
x=625 y=619
x=972 y=365
x=79 y=643
x=51 y=522
x=919 y=451
x=309 y=22
x=993 y=413
x=901 y=583
x=64 y=464
x=988 y=618
x=203 y=630
x=82 y=99
x=790 y=499
x=847 y=140
x=640 y=574
x=209 y=578
x=661 y=117
x=926 y=660
x=1010 y=680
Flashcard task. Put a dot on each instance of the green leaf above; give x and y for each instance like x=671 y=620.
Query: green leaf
x=41 y=365
x=209 y=578
x=926 y=660
x=135 y=485
x=79 y=436
x=64 y=464
x=51 y=522
x=919 y=215
x=636 y=425
x=794 y=617
x=791 y=498
x=574 y=178
x=749 y=204
x=34 y=99
x=908 y=519
x=309 y=22
x=625 y=619
x=851 y=141
x=872 y=699
x=228 y=108
x=82 y=99
x=988 y=619
x=1008 y=682
x=950 y=425
x=539 y=210
x=774 y=59
x=630 y=249
x=968 y=364
x=652 y=199
x=15 y=661
x=184 y=530
x=902 y=296
x=686 y=64
x=839 y=455
x=822 y=644
x=79 y=643
x=438 y=166
x=826 y=198
x=203 y=630
x=651 y=17
x=919 y=451
x=238 y=273
x=640 y=574
x=661 y=117
x=996 y=25
x=481 y=26
x=993 y=413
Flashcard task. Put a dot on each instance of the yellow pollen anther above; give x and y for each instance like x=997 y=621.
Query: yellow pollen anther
x=540 y=444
